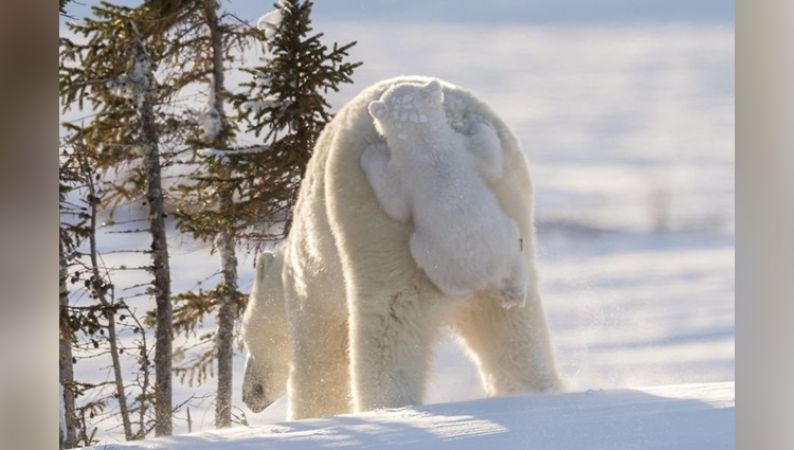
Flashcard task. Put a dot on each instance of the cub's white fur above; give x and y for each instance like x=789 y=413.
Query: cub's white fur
x=428 y=172
x=361 y=317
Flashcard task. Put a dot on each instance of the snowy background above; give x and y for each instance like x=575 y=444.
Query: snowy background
x=628 y=129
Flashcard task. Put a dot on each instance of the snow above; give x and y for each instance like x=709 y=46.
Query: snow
x=140 y=70
x=270 y=22
x=210 y=124
x=258 y=106
x=223 y=155
x=689 y=416
x=135 y=83
x=209 y=120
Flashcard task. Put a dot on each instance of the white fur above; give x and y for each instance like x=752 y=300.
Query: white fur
x=362 y=316
x=436 y=176
x=265 y=335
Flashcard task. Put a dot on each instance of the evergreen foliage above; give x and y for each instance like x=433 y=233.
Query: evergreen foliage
x=284 y=104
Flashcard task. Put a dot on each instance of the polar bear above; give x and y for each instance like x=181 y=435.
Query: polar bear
x=428 y=172
x=361 y=316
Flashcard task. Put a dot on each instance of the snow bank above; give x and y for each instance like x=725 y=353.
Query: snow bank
x=688 y=416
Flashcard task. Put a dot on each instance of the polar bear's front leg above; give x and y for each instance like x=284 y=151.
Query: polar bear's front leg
x=484 y=144
x=319 y=379
x=385 y=182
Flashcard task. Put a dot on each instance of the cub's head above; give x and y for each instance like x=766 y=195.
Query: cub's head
x=405 y=107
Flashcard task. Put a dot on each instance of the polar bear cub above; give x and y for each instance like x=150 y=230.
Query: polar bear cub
x=430 y=173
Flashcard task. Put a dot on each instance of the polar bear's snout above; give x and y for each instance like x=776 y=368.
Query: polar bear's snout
x=257 y=394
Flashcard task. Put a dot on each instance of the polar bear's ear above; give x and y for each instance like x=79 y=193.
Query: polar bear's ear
x=432 y=90
x=377 y=109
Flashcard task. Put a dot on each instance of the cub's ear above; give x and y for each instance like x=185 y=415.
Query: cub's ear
x=377 y=109
x=432 y=90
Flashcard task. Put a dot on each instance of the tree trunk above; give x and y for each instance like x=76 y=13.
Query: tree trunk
x=100 y=290
x=224 y=242
x=66 y=369
x=143 y=377
x=162 y=278
x=227 y=312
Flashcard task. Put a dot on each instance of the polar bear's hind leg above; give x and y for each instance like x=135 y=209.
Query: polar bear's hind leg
x=391 y=347
x=510 y=347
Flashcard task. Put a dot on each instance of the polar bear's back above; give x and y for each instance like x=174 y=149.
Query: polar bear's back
x=339 y=225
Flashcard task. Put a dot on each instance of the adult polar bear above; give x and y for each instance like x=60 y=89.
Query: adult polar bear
x=344 y=308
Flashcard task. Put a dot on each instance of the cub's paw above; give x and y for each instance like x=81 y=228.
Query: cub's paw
x=476 y=124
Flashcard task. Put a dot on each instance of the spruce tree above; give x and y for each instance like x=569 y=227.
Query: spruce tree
x=284 y=104
x=113 y=71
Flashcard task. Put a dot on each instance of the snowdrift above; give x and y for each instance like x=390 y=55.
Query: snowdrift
x=687 y=416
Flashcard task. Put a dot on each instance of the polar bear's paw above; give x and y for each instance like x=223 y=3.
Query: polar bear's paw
x=484 y=144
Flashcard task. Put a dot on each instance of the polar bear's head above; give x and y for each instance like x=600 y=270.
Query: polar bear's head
x=405 y=107
x=265 y=336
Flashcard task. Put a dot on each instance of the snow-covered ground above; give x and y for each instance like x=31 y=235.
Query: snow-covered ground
x=681 y=417
x=629 y=134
